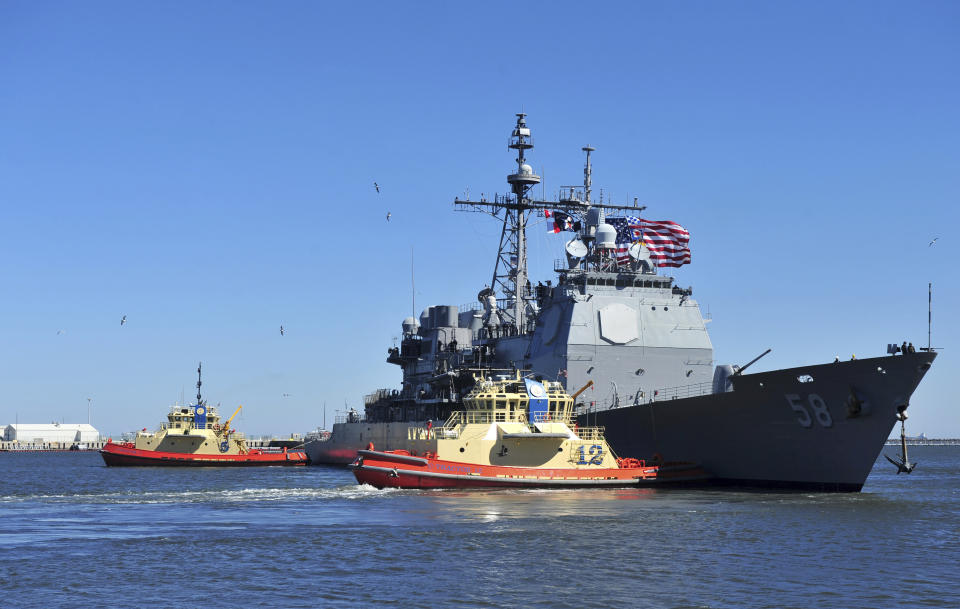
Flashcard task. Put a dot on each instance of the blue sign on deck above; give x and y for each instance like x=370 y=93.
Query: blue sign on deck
x=200 y=416
x=537 y=396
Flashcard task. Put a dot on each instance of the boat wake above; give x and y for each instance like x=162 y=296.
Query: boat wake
x=246 y=495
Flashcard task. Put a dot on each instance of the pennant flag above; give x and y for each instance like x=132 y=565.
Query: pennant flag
x=668 y=242
x=561 y=222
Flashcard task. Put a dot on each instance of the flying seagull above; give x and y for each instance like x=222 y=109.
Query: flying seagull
x=286 y=395
x=281 y=330
x=59 y=332
x=388 y=216
x=124 y=320
x=932 y=242
x=377 y=186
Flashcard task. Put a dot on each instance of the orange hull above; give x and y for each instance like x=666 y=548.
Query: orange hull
x=400 y=469
x=125 y=454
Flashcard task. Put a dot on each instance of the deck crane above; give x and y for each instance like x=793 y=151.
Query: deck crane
x=226 y=426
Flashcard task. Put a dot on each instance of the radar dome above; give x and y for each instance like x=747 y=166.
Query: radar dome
x=410 y=325
x=526 y=169
x=606 y=236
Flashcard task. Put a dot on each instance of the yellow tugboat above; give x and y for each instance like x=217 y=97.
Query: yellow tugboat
x=514 y=431
x=194 y=435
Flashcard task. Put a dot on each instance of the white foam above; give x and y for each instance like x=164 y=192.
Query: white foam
x=349 y=492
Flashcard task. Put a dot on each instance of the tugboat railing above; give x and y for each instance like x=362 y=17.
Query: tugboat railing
x=591 y=434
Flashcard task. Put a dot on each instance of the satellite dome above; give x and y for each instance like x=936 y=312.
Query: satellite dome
x=606 y=236
x=526 y=169
x=410 y=325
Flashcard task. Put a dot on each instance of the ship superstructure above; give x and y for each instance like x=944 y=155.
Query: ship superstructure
x=609 y=309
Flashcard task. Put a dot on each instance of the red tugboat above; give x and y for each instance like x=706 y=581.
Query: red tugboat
x=515 y=432
x=194 y=436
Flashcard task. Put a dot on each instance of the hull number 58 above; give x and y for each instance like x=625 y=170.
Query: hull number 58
x=817 y=410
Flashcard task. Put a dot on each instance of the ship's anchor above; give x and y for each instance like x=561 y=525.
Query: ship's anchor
x=903 y=465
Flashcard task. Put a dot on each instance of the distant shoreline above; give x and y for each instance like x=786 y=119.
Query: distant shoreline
x=925 y=442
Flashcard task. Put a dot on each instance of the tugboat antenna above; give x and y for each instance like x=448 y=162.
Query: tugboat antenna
x=199 y=366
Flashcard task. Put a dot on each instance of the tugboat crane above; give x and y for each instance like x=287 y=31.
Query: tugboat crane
x=226 y=425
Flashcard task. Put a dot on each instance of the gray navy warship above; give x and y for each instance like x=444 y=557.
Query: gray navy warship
x=612 y=317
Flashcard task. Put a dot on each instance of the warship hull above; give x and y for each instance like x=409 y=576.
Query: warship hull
x=793 y=428
x=342 y=445
x=340 y=448
x=773 y=430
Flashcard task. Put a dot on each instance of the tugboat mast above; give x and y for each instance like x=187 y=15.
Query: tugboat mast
x=199 y=366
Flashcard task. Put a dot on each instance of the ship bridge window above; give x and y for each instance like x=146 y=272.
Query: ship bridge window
x=501 y=404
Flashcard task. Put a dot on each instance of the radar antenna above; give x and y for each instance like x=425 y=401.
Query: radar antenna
x=588 y=175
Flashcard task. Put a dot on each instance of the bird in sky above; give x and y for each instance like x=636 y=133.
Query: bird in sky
x=123 y=320
x=377 y=186
x=932 y=242
x=286 y=395
x=388 y=216
x=59 y=332
x=281 y=330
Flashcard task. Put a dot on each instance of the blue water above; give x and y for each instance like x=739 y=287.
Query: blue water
x=75 y=533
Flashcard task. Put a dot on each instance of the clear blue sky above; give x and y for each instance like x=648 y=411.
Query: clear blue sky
x=207 y=169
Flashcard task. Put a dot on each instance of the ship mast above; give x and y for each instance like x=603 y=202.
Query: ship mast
x=510 y=271
x=510 y=277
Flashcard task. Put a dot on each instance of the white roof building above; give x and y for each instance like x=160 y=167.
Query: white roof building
x=50 y=432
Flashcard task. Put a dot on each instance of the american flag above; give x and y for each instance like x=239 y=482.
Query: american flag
x=668 y=242
x=628 y=232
